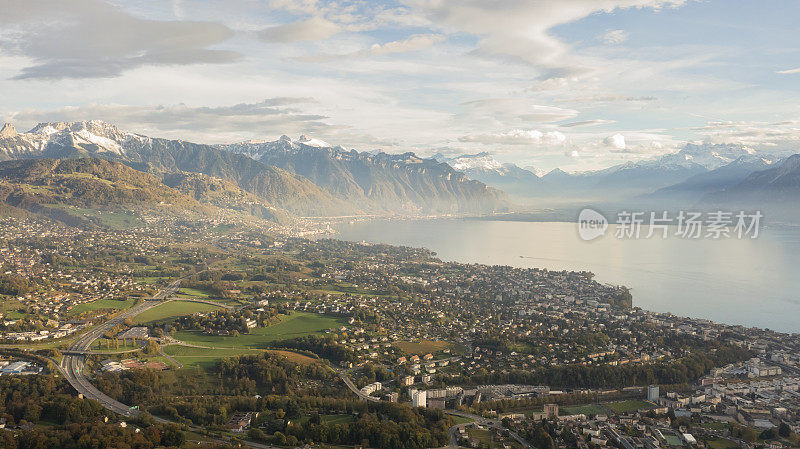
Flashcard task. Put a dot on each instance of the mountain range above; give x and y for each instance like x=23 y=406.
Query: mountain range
x=698 y=174
x=377 y=182
x=285 y=178
x=303 y=178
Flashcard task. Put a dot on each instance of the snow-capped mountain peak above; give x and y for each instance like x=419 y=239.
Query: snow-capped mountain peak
x=313 y=142
x=87 y=137
x=479 y=161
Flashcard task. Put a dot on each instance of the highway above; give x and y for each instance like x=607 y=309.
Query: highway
x=73 y=365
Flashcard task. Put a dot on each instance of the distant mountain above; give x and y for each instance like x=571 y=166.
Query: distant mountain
x=377 y=182
x=722 y=178
x=224 y=194
x=710 y=156
x=775 y=190
x=507 y=177
x=55 y=187
x=95 y=138
x=641 y=178
x=307 y=177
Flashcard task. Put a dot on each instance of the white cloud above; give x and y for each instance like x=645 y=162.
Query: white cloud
x=586 y=123
x=520 y=109
x=613 y=37
x=91 y=39
x=521 y=29
x=517 y=137
x=414 y=43
x=789 y=71
x=775 y=137
x=617 y=141
x=270 y=117
x=313 y=29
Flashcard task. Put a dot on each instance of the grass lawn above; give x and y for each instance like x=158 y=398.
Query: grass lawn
x=172 y=309
x=202 y=357
x=297 y=324
x=481 y=436
x=460 y=420
x=422 y=347
x=722 y=443
x=590 y=409
x=629 y=406
x=295 y=357
x=101 y=304
x=193 y=292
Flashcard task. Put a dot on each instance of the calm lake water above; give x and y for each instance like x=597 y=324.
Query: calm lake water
x=754 y=282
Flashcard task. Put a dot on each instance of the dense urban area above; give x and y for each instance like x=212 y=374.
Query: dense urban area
x=215 y=333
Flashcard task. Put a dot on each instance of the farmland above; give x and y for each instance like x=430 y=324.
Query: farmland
x=297 y=324
x=173 y=309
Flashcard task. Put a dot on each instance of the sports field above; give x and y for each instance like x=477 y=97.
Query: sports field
x=173 y=309
x=297 y=324
x=590 y=409
x=629 y=406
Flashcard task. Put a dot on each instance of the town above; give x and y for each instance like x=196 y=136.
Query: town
x=487 y=356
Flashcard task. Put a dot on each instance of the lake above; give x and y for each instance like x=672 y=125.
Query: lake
x=753 y=282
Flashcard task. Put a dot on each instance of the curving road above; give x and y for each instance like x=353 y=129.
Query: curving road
x=73 y=365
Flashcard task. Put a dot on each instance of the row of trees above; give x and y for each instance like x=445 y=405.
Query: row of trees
x=685 y=370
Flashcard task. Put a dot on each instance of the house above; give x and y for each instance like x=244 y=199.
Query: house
x=240 y=422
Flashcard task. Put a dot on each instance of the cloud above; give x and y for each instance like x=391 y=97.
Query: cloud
x=789 y=71
x=416 y=42
x=585 y=123
x=613 y=37
x=313 y=29
x=218 y=124
x=517 y=137
x=521 y=109
x=520 y=29
x=91 y=39
x=617 y=141
x=775 y=137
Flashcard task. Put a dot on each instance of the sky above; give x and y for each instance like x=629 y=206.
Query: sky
x=576 y=84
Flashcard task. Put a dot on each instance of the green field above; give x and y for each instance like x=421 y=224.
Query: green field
x=101 y=304
x=722 y=443
x=193 y=292
x=150 y=279
x=173 y=309
x=202 y=357
x=423 y=347
x=590 y=409
x=629 y=406
x=298 y=324
x=460 y=420
x=482 y=436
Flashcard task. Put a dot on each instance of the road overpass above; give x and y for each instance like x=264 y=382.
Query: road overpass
x=73 y=364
